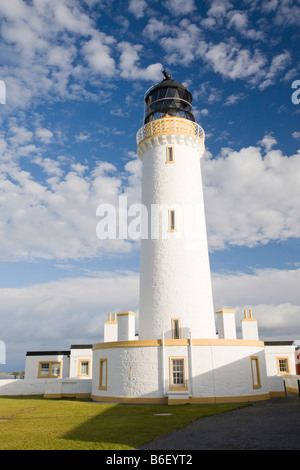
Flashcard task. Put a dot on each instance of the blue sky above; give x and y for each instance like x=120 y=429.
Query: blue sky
x=76 y=73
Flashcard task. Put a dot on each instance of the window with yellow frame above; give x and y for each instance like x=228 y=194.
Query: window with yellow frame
x=255 y=372
x=283 y=365
x=49 y=369
x=177 y=374
x=103 y=374
x=84 y=368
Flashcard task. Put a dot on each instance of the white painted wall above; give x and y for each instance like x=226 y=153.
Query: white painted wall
x=217 y=371
x=22 y=387
x=77 y=355
x=226 y=324
x=280 y=351
x=32 y=364
x=175 y=276
x=126 y=326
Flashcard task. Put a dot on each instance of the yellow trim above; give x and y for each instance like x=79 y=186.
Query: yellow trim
x=140 y=400
x=168 y=160
x=170 y=125
x=129 y=344
x=250 y=316
x=227 y=342
x=285 y=358
x=225 y=310
x=233 y=399
x=67 y=395
x=191 y=400
x=110 y=321
x=173 y=320
x=178 y=401
x=172 y=387
x=40 y=376
x=278 y=394
x=179 y=342
x=255 y=378
x=102 y=362
x=79 y=367
x=125 y=313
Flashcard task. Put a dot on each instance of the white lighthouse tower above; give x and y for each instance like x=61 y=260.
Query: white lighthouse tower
x=175 y=283
x=177 y=356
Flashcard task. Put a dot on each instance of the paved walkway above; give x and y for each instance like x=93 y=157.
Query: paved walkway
x=269 y=425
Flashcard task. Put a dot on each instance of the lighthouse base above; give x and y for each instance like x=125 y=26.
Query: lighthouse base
x=180 y=371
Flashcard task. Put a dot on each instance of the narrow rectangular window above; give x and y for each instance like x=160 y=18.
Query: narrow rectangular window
x=170 y=155
x=283 y=365
x=55 y=369
x=177 y=374
x=103 y=375
x=172 y=220
x=176 y=333
x=255 y=372
x=45 y=369
x=84 y=368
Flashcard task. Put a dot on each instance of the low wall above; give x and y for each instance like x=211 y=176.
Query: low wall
x=292 y=383
x=22 y=387
x=72 y=388
x=276 y=386
x=56 y=388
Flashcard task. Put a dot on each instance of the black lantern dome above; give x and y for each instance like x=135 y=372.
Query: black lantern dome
x=168 y=98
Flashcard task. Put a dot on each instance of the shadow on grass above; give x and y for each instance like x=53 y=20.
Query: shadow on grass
x=130 y=426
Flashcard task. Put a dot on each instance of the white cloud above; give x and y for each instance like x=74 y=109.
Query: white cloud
x=279 y=63
x=239 y=21
x=273 y=295
x=129 y=63
x=55 y=216
x=268 y=142
x=156 y=28
x=251 y=196
x=98 y=54
x=234 y=98
x=182 y=47
x=180 y=8
x=233 y=62
x=57 y=314
x=137 y=7
x=45 y=135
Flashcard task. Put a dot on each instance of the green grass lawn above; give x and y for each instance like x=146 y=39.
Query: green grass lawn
x=35 y=423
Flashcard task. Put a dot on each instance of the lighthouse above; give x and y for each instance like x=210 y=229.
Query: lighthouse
x=176 y=354
x=175 y=282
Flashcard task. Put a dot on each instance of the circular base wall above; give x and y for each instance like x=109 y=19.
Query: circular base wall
x=179 y=371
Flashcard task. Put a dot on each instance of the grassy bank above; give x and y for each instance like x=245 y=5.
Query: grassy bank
x=34 y=423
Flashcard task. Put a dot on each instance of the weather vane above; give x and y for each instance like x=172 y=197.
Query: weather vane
x=167 y=75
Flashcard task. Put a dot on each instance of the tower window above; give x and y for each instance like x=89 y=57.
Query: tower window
x=170 y=155
x=176 y=333
x=172 y=220
x=177 y=373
